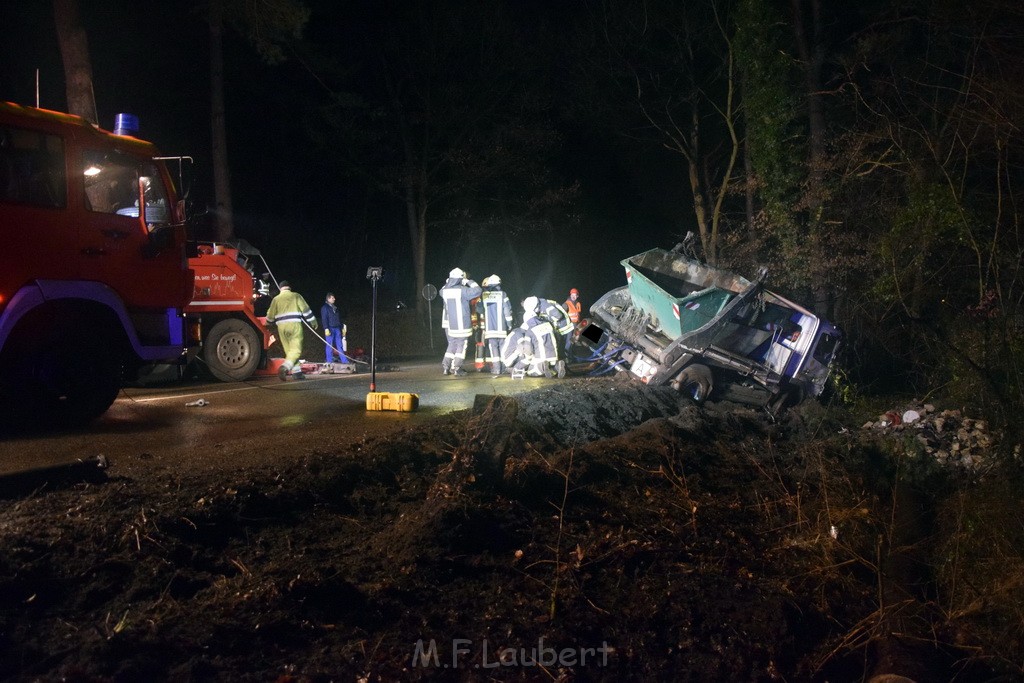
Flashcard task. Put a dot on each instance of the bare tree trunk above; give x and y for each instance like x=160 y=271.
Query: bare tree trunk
x=74 y=50
x=416 y=217
x=748 y=190
x=223 y=211
x=748 y=168
x=700 y=207
x=812 y=54
x=420 y=254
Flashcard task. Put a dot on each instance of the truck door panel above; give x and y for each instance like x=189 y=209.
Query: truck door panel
x=115 y=245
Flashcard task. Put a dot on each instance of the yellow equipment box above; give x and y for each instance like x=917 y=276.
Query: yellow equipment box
x=383 y=400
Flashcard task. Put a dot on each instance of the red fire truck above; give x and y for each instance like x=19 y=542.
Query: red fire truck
x=94 y=279
x=229 y=289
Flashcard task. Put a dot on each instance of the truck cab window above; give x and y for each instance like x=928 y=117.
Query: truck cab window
x=825 y=349
x=32 y=168
x=112 y=186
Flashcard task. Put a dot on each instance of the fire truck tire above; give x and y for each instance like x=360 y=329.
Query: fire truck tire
x=696 y=382
x=232 y=350
x=65 y=384
x=94 y=385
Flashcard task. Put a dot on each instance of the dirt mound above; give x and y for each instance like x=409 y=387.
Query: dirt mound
x=595 y=530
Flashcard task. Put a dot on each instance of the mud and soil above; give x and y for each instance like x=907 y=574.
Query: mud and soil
x=598 y=530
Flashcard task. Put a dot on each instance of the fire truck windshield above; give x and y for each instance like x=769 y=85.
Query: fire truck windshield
x=112 y=186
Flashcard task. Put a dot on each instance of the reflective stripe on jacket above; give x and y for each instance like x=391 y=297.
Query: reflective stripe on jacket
x=554 y=313
x=289 y=307
x=545 y=348
x=574 y=308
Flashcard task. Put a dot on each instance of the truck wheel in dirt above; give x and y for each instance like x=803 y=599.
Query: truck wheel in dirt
x=786 y=398
x=232 y=350
x=695 y=381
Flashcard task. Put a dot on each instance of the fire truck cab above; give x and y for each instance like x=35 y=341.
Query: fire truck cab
x=94 y=278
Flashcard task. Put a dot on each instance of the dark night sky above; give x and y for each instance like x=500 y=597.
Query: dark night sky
x=150 y=58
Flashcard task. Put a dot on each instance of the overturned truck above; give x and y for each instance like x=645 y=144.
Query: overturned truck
x=709 y=332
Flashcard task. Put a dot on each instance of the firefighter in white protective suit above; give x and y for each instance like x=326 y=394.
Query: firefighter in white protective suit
x=497 y=320
x=532 y=348
x=457 y=293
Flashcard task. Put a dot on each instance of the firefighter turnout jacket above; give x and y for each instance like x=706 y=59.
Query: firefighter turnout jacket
x=553 y=312
x=497 y=313
x=457 y=294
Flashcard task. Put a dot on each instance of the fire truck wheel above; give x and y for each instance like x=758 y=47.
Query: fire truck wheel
x=232 y=350
x=69 y=384
x=93 y=386
x=695 y=381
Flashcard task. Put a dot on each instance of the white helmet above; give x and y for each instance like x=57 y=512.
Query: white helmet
x=493 y=280
x=457 y=273
x=530 y=304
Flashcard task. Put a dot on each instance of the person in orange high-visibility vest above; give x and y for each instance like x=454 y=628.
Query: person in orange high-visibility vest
x=573 y=306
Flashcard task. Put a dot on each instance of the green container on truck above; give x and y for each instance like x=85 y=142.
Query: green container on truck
x=707 y=331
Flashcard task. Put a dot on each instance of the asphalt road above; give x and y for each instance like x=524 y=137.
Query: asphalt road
x=254 y=422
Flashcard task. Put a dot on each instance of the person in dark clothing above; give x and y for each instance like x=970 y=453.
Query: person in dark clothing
x=335 y=330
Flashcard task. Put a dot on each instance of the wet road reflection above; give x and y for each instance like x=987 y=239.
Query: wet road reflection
x=252 y=423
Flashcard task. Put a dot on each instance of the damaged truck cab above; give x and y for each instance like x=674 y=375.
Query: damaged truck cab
x=705 y=330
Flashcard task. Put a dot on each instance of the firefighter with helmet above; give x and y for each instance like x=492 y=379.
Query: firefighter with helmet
x=497 y=320
x=289 y=312
x=574 y=306
x=556 y=315
x=456 y=319
x=532 y=347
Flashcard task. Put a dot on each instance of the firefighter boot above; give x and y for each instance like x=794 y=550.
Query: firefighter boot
x=560 y=369
x=445 y=370
x=457 y=370
x=282 y=371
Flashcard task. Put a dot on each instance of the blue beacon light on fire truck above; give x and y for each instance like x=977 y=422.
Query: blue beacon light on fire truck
x=126 y=124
